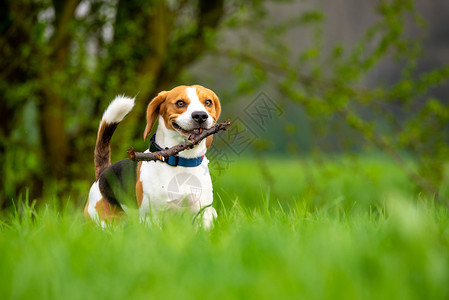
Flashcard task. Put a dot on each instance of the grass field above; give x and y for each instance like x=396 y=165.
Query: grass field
x=347 y=228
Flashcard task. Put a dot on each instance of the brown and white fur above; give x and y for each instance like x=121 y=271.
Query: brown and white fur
x=178 y=112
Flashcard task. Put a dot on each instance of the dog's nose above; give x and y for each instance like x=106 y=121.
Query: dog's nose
x=199 y=116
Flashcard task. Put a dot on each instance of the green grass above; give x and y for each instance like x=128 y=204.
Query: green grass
x=340 y=229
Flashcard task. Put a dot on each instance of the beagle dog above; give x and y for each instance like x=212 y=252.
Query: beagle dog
x=181 y=182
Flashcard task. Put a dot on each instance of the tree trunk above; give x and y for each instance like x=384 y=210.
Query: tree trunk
x=53 y=128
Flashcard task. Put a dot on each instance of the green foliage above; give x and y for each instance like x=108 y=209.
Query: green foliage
x=346 y=183
x=401 y=117
x=63 y=61
x=258 y=249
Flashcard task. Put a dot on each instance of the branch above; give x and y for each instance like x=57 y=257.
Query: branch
x=194 y=139
x=381 y=142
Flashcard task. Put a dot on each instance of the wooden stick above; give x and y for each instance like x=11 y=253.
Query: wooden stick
x=194 y=139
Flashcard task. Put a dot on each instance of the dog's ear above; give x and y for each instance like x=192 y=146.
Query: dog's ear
x=153 y=112
x=209 y=141
x=217 y=107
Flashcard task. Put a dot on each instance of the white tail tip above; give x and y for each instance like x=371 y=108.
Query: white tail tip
x=118 y=109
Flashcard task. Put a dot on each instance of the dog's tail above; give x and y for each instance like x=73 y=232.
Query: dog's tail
x=113 y=115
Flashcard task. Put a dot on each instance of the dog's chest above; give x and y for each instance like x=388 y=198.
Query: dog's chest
x=166 y=186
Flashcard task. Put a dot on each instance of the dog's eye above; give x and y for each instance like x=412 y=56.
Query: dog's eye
x=180 y=103
x=208 y=102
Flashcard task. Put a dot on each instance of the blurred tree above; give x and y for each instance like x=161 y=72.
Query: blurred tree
x=60 y=58
x=402 y=116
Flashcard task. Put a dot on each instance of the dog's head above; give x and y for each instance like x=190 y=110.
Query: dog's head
x=184 y=109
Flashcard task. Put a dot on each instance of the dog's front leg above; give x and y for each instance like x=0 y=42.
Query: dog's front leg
x=207 y=217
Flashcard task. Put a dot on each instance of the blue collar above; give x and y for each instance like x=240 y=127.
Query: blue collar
x=175 y=160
